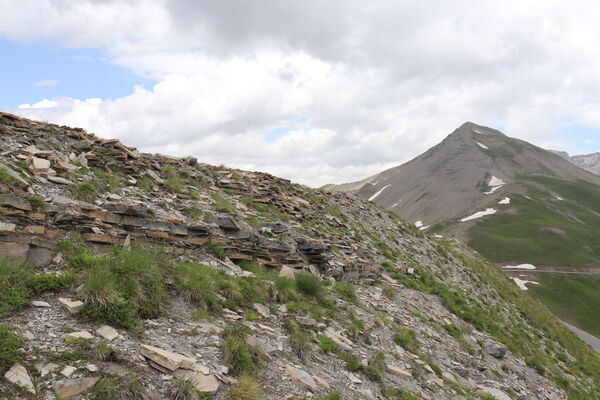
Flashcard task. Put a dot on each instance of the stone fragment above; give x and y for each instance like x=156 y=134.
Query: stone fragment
x=494 y=349
x=449 y=376
x=36 y=164
x=72 y=306
x=228 y=224
x=306 y=321
x=127 y=243
x=19 y=376
x=392 y=369
x=68 y=371
x=58 y=179
x=7 y=227
x=16 y=251
x=8 y=199
x=27 y=335
x=91 y=367
x=45 y=369
x=73 y=387
x=497 y=393
x=167 y=359
x=107 y=332
x=202 y=383
x=262 y=310
x=339 y=340
x=301 y=377
x=79 y=335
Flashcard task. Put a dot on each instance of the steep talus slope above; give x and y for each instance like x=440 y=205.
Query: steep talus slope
x=236 y=283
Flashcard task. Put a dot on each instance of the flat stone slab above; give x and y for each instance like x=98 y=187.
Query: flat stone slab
x=202 y=383
x=167 y=359
x=107 y=332
x=74 y=387
x=19 y=376
x=72 y=306
x=79 y=335
x=301 y=377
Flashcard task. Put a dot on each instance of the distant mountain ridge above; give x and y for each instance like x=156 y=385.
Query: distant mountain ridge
x=478 y=178
x=589 y=162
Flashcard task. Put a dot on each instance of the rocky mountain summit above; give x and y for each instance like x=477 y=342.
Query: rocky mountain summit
x=127 y=275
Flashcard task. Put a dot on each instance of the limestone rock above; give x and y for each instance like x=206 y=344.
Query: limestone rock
x=107 y=332
x=68 y=371
x=202 y=383
x=37 y=303
x=392 y=369
x=73 y=387
x=72 y=306
x=301 y=377
x=19 y=376
x=167 y=359
x=79 y=335
x=287 y=272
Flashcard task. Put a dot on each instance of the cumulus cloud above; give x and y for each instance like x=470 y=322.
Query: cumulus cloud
x=374 y=83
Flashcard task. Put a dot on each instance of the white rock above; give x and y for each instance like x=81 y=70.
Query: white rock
x=392 y=369
x=72 y=306
x=68 y=371
x=302 y=378
x=167 y=359
x=37 y=303
x=202 y=383
x=79 y=335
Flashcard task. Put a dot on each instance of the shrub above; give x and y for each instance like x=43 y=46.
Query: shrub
x=183 y=389
x=298 y=339
x=222 y=204
x=13 y=285
x=145 y=182
x=352 y=363
x=246 y=388
x=326 y=344
x=407 y=339
x=195 y=212
x=216 y=250
x=174 y=183
x=50 y=282
x=346 y=290
x=5 y=175
x=124 y=285
x=240 y=358
x=124 y=387
x=309 y=284
x=9 y=347
x=376 y=367
x=84 y=191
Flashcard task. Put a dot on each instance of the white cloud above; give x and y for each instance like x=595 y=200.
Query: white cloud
x=382 y=81
x=46 y=83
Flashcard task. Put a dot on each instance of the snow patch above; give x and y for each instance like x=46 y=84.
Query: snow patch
x=495 y=183
x=379 y=192
x=483 y=146
x=520 y=266
x=522 y=283
x=476 y=131
x=423 y=227
x=505 y=200
x=559 y=198
x=419 y=224
x=395 y=204
x=479 y=214
x=437 y=236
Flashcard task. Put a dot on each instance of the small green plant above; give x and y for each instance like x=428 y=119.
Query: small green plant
x=84 y=191
x=406 y=338
x=298 y=339
x=326 y=344
x=352 y=362
x=9 y=347
x=246 y=388
x=309 y=284
x=332 y=396
x=216 y=250
x=183 y=389
x=376 y=367
x=36 y=202
x=145 y=182
x=5 y=175
x=222 y=204
x=174 y=183
x=240 y=357
x=195 y=212
x=346 y=290
x=128 y=386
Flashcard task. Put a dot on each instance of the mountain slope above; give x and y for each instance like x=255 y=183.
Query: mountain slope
x=237 y=283
x=589 y=162
x=511 y=200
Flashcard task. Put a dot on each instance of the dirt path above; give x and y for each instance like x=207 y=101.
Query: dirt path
x=586 y=337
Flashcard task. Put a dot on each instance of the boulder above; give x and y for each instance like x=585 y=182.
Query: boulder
x=167 y=359
x=72 y=307
x=494 y=349
x=287 y=272
x=228 y=224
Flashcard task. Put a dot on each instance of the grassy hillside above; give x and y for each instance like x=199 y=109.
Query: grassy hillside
x=541 y=229
x=575 y=299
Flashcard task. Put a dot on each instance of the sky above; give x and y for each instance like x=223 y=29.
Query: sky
x=314 y=91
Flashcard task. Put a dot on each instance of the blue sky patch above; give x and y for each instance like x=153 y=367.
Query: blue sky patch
x=32 y=72
x=584 y=139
